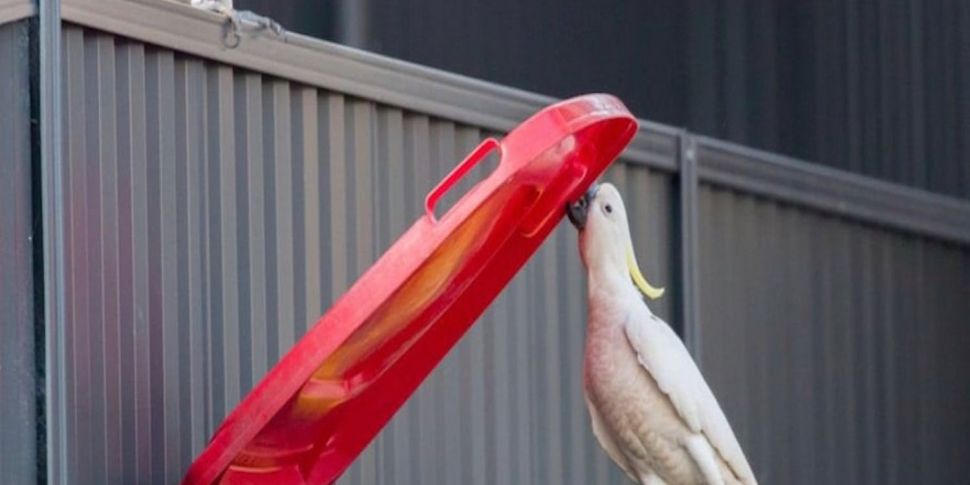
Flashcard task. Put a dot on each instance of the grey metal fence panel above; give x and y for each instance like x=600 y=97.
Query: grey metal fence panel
x=216 y=212
x=18 y=412
x=836 y=349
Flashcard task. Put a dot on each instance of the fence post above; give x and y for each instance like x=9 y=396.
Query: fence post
x=687 y=232
x=52 y=456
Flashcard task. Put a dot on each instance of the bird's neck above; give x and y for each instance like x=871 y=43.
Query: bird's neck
x=610 y=294
x=607 y=282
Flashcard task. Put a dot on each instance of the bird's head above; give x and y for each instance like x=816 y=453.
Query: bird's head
x=604 y=235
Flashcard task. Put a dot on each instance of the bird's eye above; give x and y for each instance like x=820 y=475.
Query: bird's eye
x=608 y=208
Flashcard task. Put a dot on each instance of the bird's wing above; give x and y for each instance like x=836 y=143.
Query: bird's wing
x=664 y=356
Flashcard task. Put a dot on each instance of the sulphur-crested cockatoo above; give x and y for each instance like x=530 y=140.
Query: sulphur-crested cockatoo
x=650 y=407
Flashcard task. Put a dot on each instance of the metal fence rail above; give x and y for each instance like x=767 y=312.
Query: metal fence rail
x=14 y=10
x=215 y=200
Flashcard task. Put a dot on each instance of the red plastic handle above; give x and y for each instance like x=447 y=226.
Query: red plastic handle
x=452 y=178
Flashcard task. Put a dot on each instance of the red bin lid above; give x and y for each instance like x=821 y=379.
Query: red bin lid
x=327 y=398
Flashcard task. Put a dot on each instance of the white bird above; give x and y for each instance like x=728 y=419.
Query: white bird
x=218 y=6
x=651 y=410
x=242 y=23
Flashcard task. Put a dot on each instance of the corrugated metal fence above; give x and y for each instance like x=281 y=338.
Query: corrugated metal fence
x=18 y=416
x=217 y=200
x=216 y=212
x=837 y=349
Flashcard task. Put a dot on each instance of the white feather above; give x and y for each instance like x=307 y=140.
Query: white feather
x=661 y=352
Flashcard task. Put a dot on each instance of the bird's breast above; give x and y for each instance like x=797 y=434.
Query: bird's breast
x=610 y=365
x=634 y=410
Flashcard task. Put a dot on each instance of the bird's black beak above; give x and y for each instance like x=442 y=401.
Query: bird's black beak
x=577 y=211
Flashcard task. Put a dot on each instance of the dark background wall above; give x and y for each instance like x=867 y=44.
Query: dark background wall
x=878 y=88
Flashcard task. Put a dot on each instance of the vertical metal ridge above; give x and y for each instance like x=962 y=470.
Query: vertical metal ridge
x=126 y=310
x=824 y=366
x=140 y=341
x=760 y=333
x=109 y=201
x=74 y=151
x=242 y=118
x=309 y=148
x=283 y=192
x=193 y=370
x=934 y=259
x=215 y=100
x=554 y=319
x=804 y=373
x=337 y=181
x=534 y=362
x=745 y=424
x=55 y=217
x=93 y=319
x=154 y=308
x=572 y=299
x=21 y=419
x=253 y=257
x=179 y=339
x=888 y=396
x=297 y=243
x=785 y=414
x=924 y=366
x=854 y=387
x=689 y=311
x=868 y=340
x=844 y=379
x=169 y=312
x=227 y=237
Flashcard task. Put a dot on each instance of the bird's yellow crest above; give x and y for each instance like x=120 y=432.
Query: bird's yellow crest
x=650 y=291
